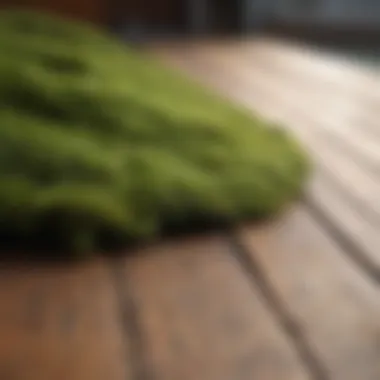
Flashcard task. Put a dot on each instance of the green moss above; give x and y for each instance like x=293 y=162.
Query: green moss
x=98 y=141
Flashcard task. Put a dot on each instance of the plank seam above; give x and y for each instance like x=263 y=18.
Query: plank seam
x=359 y=205
x=288 y=324
x=129 y=322
x=349 y=247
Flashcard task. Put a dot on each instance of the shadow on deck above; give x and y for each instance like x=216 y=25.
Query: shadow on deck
x=294 y=299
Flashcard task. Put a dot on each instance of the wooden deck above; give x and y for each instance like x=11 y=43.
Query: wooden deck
x=294 y=299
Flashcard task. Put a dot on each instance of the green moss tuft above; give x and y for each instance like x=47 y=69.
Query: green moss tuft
x=96 y=140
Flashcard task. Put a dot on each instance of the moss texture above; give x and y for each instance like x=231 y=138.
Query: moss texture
x=98 y=143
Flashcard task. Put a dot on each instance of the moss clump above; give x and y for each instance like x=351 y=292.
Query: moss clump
x=98 y=143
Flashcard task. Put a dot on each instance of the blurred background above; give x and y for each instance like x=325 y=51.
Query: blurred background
x=348 y=27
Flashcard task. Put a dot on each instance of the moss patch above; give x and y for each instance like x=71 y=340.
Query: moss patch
x=98 y=143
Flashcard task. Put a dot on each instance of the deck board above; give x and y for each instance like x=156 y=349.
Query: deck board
x=60 y=323
x=201 y=318
x=336 y=306
x=347 y=221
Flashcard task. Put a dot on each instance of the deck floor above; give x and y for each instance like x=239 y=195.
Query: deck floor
x=294 y=299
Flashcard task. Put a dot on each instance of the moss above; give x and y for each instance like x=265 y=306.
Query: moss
x=97 y=140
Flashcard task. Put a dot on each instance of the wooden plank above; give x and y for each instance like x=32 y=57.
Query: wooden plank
x=336 y=305
x=347 y=221
x=202 y=319
x=60 y=323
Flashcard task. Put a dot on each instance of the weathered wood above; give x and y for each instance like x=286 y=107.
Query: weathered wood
x=60 y=323
x=336 y=306
x=201 y=318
